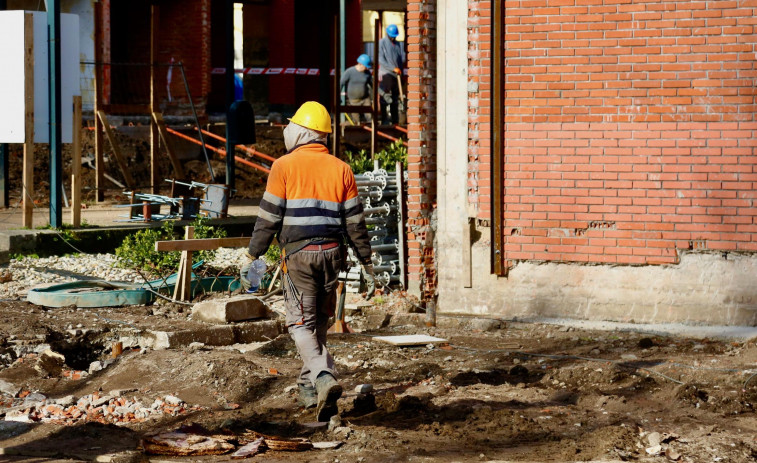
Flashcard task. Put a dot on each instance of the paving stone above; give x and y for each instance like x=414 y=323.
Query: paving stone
x=233 y=309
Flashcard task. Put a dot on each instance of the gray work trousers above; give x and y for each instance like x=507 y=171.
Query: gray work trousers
x=314 y=275
x=357 y=117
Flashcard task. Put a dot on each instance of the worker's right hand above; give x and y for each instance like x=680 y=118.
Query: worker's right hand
x=397 y=71
x=370 y=281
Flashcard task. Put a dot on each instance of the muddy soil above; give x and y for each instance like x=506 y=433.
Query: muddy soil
x=497 y=391
x=249 y=182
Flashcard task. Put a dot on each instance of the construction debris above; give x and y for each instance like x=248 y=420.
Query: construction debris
x=232 y=309
x=410 y=340
x=106 y=409
x=184 y=444
x=249 y=450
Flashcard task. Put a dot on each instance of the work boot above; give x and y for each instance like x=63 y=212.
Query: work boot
x=329 y=392
x=308 y=396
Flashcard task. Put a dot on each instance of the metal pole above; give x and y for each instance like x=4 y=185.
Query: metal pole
x=197 y=121
x=376 y=103
x=336 y=97
x=56 y=171
x=342 y=36
x=229 y=91
x=4 y=183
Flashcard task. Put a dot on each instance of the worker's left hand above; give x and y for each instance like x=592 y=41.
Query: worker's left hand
x=370 y=281
x=397 y=71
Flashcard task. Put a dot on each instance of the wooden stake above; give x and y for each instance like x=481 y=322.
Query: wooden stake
x=183 y=290
x=160 y=124
x=27 y=186
x=340 y=326
x=116 y=150
x=76 y=166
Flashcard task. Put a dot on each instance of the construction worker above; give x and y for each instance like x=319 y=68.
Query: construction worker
x=311 y=204
x=391 y=62
x=357 y=80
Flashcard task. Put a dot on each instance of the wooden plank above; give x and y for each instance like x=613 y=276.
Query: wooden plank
x=410 y=340
x=116 y=150
x=207 y=244
x=76 y=165
x=28 y=168
x=157 y=120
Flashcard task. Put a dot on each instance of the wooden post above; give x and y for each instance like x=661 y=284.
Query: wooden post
x=76 y=166
x=467 y=277
x=116 y=150
x=160 y=125
x=99 y=145
x=376 y=103
x=183 y=289
x=154 y=134
x=27 y=186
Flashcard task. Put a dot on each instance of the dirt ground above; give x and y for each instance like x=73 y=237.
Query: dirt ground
x=496 y=391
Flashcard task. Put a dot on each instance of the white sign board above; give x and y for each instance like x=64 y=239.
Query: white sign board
x=12 y=78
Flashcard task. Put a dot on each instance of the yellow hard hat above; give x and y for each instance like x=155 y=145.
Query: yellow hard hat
x=312 y=115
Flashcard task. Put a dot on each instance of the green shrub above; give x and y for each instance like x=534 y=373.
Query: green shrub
x=361 y=162
x=138 y=250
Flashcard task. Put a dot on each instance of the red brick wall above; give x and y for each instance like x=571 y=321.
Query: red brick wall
x=630 y=129
x=479 y=107
x=185 y=37
x=421 y=119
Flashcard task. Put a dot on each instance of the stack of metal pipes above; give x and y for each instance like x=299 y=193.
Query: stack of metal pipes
x=378 y=193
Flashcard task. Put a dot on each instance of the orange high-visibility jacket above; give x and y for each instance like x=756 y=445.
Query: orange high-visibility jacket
x=310 y=194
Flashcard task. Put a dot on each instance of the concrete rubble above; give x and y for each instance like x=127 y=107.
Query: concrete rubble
x=232 y=309
x=111 y=408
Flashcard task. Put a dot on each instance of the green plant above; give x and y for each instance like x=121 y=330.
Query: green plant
x=138 y=250
x=387 y=158
x=273 y=255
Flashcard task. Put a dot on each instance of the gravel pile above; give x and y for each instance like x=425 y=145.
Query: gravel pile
x=20 y=275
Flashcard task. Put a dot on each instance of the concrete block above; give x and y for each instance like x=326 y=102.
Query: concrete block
x=231 y=309
x=18 y=240
x=218 y=335
x=259 y=331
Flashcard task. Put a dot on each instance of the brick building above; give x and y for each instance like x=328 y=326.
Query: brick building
x=607 y=171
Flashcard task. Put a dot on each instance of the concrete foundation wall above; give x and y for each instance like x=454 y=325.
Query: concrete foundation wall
x=713 y=289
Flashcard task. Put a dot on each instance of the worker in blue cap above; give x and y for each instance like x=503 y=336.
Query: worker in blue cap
x=391 y=63
x=357 y=82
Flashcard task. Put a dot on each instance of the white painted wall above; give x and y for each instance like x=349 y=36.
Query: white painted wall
x=12 y=78
x=452 y=139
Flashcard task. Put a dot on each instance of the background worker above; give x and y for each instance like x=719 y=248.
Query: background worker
x=311 y=203
x=391 y=63
x=357 y=80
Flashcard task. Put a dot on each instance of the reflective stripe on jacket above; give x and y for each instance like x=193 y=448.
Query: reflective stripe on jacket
x=310 y=194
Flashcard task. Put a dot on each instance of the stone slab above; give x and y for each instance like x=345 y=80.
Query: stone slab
x=232 y=309
x=218 y=335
